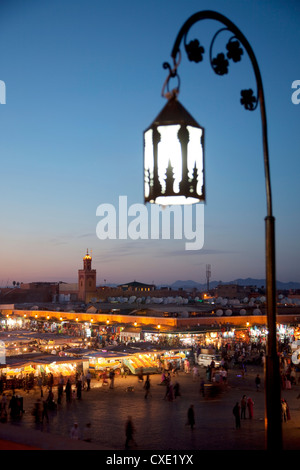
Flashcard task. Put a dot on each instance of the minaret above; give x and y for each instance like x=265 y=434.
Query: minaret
x=86 y=280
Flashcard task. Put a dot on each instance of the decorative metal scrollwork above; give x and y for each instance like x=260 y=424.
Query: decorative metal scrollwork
x=194 y=51
x=219 y=63
x=248 y=100
x=172 y=74
x=234 y=50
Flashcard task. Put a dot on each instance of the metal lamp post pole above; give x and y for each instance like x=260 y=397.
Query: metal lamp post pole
x=194 y=50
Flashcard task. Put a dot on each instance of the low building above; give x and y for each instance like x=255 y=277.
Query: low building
x=137 y=287
x=233 y=291
x=68 y=292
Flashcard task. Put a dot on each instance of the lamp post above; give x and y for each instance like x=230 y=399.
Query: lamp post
x=175 y=133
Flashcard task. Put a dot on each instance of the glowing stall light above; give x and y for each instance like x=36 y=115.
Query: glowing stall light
x=228 y=334
x=11 y=322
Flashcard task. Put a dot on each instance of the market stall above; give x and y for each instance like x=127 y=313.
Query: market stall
x=56 y=344
x=17 y=343
x=23 y=372
x=173 y=358
x=129 y=334
x=147 y=362
x=62 y=367
x=105 y=360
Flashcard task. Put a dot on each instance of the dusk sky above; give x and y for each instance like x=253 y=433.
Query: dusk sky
x=83 y=81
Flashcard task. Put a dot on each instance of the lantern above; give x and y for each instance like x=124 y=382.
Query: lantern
x=174 y=158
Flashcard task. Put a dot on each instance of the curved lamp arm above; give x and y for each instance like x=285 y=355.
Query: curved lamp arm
x=220 y=65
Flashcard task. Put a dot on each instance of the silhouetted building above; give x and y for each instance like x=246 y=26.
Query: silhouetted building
x=137 y=287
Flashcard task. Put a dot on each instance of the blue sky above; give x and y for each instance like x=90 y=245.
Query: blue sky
x=83 y=81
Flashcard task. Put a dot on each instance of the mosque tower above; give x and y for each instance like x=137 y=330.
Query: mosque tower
x=86 y=280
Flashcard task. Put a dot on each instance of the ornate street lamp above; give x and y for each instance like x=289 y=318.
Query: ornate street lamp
x=174 y=173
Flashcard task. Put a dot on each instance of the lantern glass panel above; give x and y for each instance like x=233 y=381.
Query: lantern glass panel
x=169 y=151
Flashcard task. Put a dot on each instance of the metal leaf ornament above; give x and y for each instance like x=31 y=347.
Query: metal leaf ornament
x=248 y=100
x=194 y=51
x=220 y=64
x=234 y=51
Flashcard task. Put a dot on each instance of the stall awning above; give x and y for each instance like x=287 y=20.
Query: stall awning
x=131 y=331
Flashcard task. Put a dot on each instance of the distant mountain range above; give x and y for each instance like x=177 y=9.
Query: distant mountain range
x=241 y=282
x=212 y=284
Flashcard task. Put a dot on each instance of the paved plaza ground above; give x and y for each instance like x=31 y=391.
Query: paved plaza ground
x=160 y=424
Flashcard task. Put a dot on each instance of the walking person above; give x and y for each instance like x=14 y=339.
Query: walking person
x=236 y=413
x=243 y=407
x=257 y=382
x=167 y=381
x=60 y=389
x=79 y=389
x=68 y=391
x=40 y=384
x=170 y=395
x=112 y=378
x=45 y=411
x=250 y=405
x=88 y=380
x=129 y=432
x=202 y=388
x=50 y=380
x=191 y=417
x=195 y=373
x=37 y=412
x=176 y=389
x=74 y=434
x=284 y=410
x=3 y=412
x=82 y=378
x=104 y=378
x=147 y=386
x=13 y=407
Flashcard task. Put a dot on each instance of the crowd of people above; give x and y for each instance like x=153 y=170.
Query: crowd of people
x=11 y=405
x=213 y=376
